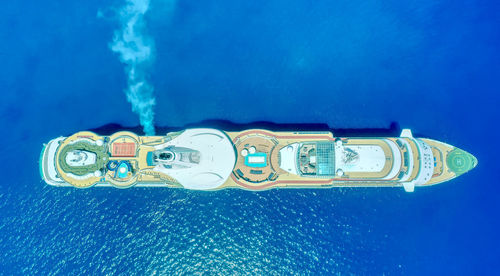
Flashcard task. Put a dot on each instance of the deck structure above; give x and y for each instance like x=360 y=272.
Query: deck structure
x=209 y=159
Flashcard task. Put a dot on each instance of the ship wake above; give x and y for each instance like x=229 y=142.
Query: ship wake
x=136 y=50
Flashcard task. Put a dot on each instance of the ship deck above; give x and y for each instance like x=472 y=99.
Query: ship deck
x=272 y=175
x=387 y=161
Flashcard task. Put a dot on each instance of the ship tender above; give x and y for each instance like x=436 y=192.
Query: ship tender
x=210 y=159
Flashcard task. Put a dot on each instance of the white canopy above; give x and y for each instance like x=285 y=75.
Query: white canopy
x=217 y=159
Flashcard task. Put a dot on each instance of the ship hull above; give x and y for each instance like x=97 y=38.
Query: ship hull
x=209 y=159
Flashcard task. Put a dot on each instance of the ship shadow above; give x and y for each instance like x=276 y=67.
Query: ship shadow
x=393 y=130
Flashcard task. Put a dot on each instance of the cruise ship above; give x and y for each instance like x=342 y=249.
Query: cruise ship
x=255 y=159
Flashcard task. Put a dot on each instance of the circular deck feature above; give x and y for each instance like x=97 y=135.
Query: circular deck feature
x=460 y=161
x=83 y=175
x=253 y=163
x=84 y=148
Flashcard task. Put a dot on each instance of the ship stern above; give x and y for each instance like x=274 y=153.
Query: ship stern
x=48 y=171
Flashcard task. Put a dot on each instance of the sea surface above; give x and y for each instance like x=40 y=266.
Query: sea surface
x=429 y=65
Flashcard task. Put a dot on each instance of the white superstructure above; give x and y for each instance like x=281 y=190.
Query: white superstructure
x=210 y=159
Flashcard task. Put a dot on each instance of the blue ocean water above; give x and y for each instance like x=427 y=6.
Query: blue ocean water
x=432 y=66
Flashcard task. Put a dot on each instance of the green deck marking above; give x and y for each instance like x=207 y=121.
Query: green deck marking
x=460 y=161
x=100 y=151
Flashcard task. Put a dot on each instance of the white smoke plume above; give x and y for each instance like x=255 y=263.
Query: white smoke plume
x=136 y=50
